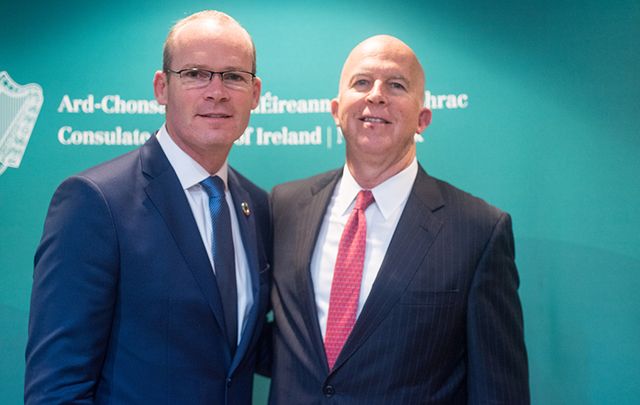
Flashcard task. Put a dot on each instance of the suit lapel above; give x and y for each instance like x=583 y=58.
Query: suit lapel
x=166 y=194
x=247 y=226
x=414 y=234
x=311 y=212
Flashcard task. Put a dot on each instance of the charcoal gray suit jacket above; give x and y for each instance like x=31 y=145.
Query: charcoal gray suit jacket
x=442 y=324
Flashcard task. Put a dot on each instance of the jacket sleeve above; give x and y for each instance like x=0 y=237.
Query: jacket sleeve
x=497 y=358
x=72 y=300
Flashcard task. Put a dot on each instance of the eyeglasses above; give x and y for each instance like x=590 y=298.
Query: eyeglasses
x=194 y=78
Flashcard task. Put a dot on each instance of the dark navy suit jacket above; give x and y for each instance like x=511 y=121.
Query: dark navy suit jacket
x=125 y=308
x=441 y=325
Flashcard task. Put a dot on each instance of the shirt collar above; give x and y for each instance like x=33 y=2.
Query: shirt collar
x=388 y=195
x=189 y=172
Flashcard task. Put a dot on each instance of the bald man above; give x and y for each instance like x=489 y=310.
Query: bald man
x=151 y=281
x=391 y=286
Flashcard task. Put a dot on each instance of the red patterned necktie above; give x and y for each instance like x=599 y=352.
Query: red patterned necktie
x=347 y=277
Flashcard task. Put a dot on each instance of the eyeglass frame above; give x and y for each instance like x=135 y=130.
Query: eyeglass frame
x=211 y=74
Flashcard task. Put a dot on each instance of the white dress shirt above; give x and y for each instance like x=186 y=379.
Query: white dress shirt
x=382 y=218
x=190 y=174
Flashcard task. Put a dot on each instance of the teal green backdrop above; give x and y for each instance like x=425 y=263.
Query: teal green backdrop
x=535 y=108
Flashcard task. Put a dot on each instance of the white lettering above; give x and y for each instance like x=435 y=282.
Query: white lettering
x=245 y=138
x=114 y=104
x=68 y=136
x=463 y=100
x=272 y=104
x=288 y=137
x=76 y=105
x=447 y=101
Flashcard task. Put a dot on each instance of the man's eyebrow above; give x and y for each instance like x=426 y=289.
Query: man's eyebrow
x=399 y=77
x=205 y=67
x=360 y=73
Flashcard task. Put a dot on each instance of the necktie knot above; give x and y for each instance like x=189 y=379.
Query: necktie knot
x=364 y=199
x=214 y=186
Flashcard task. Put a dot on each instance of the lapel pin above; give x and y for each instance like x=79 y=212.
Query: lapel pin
x=245 y=209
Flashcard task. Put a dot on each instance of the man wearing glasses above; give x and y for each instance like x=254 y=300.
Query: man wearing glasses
x=151 y=279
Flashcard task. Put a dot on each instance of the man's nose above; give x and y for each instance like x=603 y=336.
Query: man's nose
x=216 y=89
x=377 y=95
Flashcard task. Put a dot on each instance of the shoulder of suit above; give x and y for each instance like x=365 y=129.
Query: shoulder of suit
x=304 y=186
x=117 y=171
x=123 y=174
x=247 y=184
x=465 y=203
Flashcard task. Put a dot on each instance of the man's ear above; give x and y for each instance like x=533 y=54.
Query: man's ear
x=335 y=104
x=424 y=119
x=160 y=87
x=256 y=89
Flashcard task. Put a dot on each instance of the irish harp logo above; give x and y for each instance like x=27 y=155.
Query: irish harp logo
x=19 y=109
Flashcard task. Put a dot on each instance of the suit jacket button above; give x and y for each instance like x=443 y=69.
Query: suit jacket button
x=328 y=390
x=228 y=382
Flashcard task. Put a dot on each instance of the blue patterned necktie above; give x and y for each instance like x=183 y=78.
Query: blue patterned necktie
x=223 y=255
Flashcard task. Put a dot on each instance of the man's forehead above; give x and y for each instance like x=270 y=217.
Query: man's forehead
x=208 y=29
x=197 y=39
x=383 y=47
x=382 y=53
x=377 y=65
